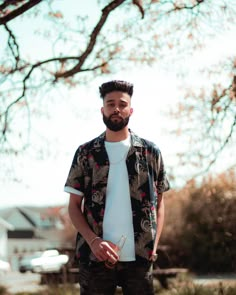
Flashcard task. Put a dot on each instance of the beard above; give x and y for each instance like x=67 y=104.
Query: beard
x=115 y=125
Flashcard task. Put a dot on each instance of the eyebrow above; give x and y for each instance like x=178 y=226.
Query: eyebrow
x=112 y=100
x=109 y=100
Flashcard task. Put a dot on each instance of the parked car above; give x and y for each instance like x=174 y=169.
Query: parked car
x=49 y=261
x=25 y=262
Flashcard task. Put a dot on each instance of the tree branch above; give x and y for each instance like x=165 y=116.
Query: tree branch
x=7 y=3
x=33 y=67
x=13 y=38
x=220 y=149
x=138 y=3
x=18 y=11
x=93 y=38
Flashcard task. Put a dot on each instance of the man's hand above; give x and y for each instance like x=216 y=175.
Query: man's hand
x=105 y=251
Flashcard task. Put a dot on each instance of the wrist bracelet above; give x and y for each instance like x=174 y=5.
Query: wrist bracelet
x=94 y=239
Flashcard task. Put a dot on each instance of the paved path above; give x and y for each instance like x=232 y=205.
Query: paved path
x=216 y=279
x=18 y=282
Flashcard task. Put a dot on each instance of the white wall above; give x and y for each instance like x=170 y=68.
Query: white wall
x=3 y=243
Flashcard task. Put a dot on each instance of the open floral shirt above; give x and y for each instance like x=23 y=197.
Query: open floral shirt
x=147 y=178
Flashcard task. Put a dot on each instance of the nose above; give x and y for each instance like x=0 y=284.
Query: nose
x=116 y=110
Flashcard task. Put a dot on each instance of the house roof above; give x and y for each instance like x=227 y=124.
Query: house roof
x=31 y=218
x=5 y=224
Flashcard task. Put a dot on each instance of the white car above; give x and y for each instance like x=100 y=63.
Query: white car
x=25 y=262
x=50 y=261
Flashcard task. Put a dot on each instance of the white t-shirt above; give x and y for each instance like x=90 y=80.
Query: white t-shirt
x=118 y=218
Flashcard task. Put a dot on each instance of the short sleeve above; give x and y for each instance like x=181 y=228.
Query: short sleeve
x=75 y=180
x=163 y=184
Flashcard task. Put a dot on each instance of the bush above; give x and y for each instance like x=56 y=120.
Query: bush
x=3 y=290
x=202 y=290
x=201 y=229
x=188 y=289
x=67 y=289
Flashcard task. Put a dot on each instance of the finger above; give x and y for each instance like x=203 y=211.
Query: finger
x=112 y=249
x=112 y=259
x=99 y=252
x=114 y=253
x=100 y=256
x=112 y=245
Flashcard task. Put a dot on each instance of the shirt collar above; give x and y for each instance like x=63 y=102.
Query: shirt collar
x=135 y=140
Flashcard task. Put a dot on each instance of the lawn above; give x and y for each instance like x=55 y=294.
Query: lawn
x=180 y=286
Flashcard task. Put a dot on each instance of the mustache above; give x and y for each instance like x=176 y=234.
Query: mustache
x=116 y=115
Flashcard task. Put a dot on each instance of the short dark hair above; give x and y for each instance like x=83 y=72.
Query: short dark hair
x=116 y=85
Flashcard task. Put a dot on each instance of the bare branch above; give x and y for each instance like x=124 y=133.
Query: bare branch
x=18 y=11
x=221 y=148
x=15 y=44
x=138 y=3
x=186 y=7
x=33 y=67
x=105 y=13
x=170 y=26
x=7 y=3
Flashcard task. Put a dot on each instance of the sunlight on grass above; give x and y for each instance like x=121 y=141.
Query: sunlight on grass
x=177 y=287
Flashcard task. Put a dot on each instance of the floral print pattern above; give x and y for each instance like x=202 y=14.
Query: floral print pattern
x=147 y=179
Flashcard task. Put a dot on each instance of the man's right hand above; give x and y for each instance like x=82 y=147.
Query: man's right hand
x=105 y=251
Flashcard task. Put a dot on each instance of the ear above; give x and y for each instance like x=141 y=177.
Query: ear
x=131 y=111
x=102 y=110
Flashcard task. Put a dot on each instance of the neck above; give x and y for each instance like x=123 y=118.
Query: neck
x=113 y=136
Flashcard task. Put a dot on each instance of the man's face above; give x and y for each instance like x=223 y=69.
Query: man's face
x=116 y=110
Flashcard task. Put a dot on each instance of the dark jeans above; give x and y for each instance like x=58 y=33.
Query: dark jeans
x=134 y=278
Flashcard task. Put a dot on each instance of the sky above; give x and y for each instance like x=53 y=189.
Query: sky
x=38 y=179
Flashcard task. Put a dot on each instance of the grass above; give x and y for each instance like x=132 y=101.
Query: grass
x=185 y=286
x=184 y=290
x=201 y=290
x=3 y=290
x=177 y=287
x=52 y=290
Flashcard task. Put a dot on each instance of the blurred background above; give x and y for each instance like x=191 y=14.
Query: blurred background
x=181 y=58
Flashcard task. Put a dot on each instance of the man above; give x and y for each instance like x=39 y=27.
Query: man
x=116 y=183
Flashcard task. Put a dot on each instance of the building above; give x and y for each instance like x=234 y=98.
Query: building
x=4 y=228
x=25 y=230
